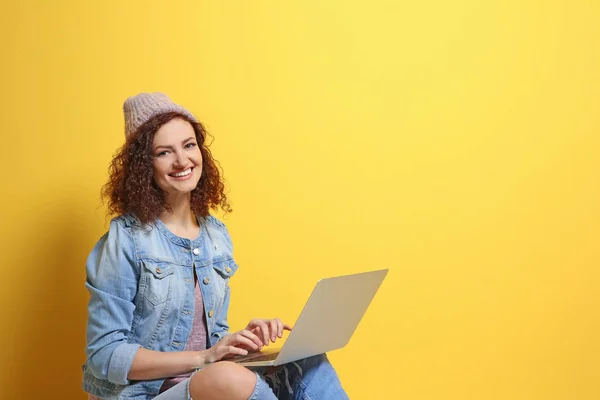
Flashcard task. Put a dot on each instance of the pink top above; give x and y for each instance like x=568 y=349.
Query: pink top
x=196 y=341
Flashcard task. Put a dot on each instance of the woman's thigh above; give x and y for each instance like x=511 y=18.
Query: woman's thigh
x=221 y=381
x=181 y=391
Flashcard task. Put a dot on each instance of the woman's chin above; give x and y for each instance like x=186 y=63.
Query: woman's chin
x=181 y=190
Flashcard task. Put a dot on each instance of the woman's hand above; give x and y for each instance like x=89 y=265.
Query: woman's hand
x=267 y=329
x=238 y=343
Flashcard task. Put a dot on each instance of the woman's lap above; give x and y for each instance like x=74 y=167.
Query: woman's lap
x=313 y=375
x=181 y=391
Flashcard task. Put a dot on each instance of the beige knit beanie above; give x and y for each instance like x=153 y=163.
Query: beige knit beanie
x=140 y=108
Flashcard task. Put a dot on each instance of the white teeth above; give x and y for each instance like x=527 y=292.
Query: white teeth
x=184 y=173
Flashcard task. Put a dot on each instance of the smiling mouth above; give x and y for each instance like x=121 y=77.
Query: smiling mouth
x=182 y=173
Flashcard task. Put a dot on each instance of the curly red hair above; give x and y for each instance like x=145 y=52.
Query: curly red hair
x=131 y=187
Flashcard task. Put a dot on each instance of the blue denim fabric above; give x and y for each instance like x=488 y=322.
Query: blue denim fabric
x=141 y=285
x=262 y=390
x=310 y=379
x=181 y=391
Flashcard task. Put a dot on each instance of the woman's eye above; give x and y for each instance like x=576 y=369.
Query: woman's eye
x=162 y=153
x=190 y=145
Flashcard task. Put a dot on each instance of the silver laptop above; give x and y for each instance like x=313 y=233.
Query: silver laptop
x=327 y=321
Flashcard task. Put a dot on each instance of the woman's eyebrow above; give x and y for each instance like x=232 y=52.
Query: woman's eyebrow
x=163 y=146
x=169 y=147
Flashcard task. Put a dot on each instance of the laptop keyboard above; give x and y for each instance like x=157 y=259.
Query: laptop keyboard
x=264 y=357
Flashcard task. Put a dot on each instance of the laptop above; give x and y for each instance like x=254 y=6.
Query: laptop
x=327 y=321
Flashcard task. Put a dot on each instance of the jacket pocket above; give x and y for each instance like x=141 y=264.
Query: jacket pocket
x=222 y=270
x=225 y=268
x=157 y=278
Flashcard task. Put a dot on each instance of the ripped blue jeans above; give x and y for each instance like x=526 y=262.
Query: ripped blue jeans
x=312 y=378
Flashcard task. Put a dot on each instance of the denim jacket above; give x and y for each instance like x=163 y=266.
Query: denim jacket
x=141 y=284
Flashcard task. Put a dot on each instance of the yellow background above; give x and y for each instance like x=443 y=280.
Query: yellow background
x=454 y=142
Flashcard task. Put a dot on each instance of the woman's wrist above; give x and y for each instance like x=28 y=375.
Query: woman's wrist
x=200 y=358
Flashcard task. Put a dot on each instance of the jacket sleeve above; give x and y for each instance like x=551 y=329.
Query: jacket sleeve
x=112 y=281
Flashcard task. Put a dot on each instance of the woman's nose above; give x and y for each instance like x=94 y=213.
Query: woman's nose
x=180 y=159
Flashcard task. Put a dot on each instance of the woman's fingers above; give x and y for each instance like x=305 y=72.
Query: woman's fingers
x=231 y=351
x=259 y=334
x=252 y=336
x=241 y=338
x=255 y=338
x=219 y=352
x=269 y=329
x=264 y=330
x=274 y=329
x=279 y=328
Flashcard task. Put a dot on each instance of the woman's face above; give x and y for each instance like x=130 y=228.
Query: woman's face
x=177 y=161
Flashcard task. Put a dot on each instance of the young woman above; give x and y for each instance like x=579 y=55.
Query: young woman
x=159 y=278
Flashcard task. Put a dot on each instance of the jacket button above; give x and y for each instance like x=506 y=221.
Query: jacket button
x=227 y=269
x=158 y=270
x=206 y=281
x=211 y=313
x=196 y=251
